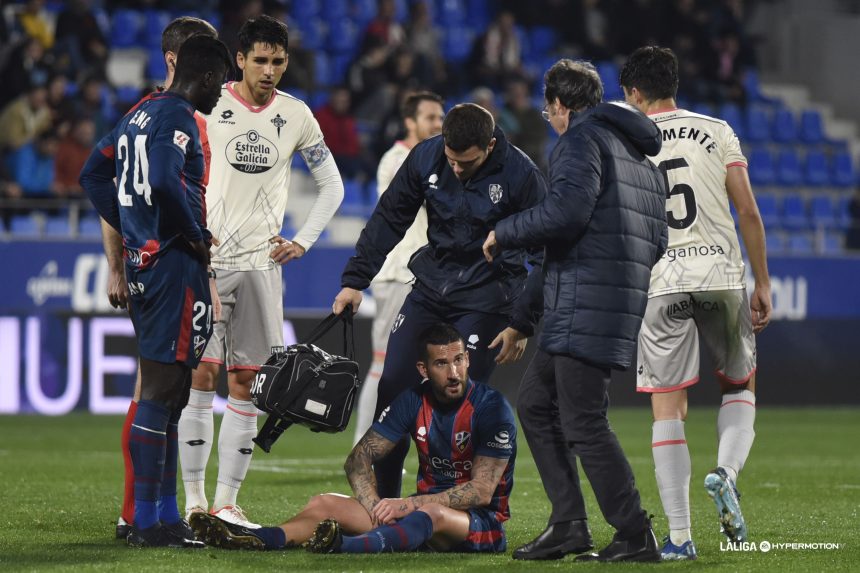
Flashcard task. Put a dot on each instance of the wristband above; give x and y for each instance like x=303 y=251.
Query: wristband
x=211 y=274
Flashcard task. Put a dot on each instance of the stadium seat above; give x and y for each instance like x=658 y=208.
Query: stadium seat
x=761 y=168
x=768 y=210
x=788 y=173
x=353 y=199
x=127 y=95
x=298 y=163
x=815 y=173
x=287 y=228
x=322 y=68
x=336 y=9
x=304 y=10
x=608 y=73
x=479 y=13
x=811 y=127
x=844 y=220
x=22 y=226
x=452 y=13
x=702 y=109
x=784 y=126
x=125 y=29
x=363 y=11
x=842 y=172
x=752 y=87
x=822 y=212
x=758 y=125
x=314 y=34
x=58 y=227
x=774 y=242
x=832 y=244
x=543 y=40
x=156 y=70
x=794 y=216
x=344 y=35
x=154 y=23
x=731 y=114
x=90 y=228
x=340 y=67
x=801 y=244
x=458 y=44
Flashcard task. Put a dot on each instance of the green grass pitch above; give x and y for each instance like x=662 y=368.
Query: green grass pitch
x=60 y=489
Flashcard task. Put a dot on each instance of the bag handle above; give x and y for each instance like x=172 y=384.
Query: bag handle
x=329 y=322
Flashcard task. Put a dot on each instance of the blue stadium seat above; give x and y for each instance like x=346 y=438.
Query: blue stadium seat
x=90 y=228
x=58 y=227
x=811 y=127
x=22 y=226
x=608 y=73
x=774 y=242
x=833 y=244
x=703 y=109
x=125 y=28
x=458 y=43
x=815 y=172
x=801 y=244
x=543 y=40
x=479 y=13
x=156 y=69
x=287 y=228
x=343 y=35
x=731 y=114
x=767 y=208
x=794 y=216
x=842 y=172
x=451 y=12
x=305 y=10
x=340 y=67
x=758 y=125
x=154 y=23
x=353 y=199
x=788 y=173
x=784 y=126
x=843 y=214
x=318 y=99
x=127 y=95
x=322 y=67
x=335 y=9
x=761 y=168
x=314 y=34
x=823 y=212
x=752 y=87
x=363 y=11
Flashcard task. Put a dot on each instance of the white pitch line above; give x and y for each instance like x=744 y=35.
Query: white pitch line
x=283 y=470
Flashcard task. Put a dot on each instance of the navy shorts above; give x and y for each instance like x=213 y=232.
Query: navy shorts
x=171 y=308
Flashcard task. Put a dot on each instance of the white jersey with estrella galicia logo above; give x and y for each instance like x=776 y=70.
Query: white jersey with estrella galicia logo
x=703 y=252
x=252 y=150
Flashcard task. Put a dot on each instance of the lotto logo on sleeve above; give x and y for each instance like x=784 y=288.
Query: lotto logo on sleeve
x=180 y=139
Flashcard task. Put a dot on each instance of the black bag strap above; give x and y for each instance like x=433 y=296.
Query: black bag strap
x=329 y=322
x=271 y=431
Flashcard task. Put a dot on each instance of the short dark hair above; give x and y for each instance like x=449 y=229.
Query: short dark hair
x=467 y=125
x=576 y=84
x=410 y=105
x=182 y=28
x=653 y=71
x=265 y=30
x=200 y=54
x=441 y=333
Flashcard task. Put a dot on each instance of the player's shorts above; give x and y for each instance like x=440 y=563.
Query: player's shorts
x=669 y=340
x=171 y=308
x=389 y=296
x=486 y=533
x=252 y=318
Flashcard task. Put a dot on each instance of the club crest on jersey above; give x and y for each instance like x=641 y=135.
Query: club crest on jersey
x=397 y=322
x=180 y=139
x=251 y=153
x=496 y=193
x=199 y=345
x=461 y=439
x=279 y=122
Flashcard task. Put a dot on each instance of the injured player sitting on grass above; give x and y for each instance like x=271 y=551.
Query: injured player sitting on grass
x=466 y=439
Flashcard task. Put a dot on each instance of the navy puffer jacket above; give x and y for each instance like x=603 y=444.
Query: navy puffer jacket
x=604 y=227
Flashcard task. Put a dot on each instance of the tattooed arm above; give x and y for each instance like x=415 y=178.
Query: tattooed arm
x=477 y=492
x=359 y=467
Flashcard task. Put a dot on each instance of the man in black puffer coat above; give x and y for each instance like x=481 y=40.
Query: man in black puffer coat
x=603 y=224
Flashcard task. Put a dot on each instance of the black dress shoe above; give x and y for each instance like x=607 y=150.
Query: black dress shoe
x=639 y=547
x=557 y=540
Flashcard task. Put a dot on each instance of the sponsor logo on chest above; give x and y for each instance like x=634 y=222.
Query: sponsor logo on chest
x=251 y=153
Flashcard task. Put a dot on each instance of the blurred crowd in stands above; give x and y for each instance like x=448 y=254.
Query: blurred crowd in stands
x=352 y=61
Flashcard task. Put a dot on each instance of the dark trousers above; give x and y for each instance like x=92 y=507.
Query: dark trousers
x=399 y=372
x=562 y=406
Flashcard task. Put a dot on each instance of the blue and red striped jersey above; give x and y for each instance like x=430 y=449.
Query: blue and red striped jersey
x=449 y=439
x=157 y=155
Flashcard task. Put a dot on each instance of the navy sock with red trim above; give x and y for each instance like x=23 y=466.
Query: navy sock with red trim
x=168 y=511
x=406 y=535
x=147 y=445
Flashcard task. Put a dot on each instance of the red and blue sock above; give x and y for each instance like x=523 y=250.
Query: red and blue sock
x=148 y=445
x=168 y=510
x=406 y=535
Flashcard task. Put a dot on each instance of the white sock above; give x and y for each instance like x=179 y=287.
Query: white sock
x=367 y=401
x=735 y=429
x=672 y=468
x=238 y=428
x=196 y=427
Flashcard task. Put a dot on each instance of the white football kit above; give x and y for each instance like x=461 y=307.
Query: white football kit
x=698 y=286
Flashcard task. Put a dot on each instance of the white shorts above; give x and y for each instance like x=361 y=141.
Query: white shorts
x=389 y=296
x=669 y=340
x=252 y=319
